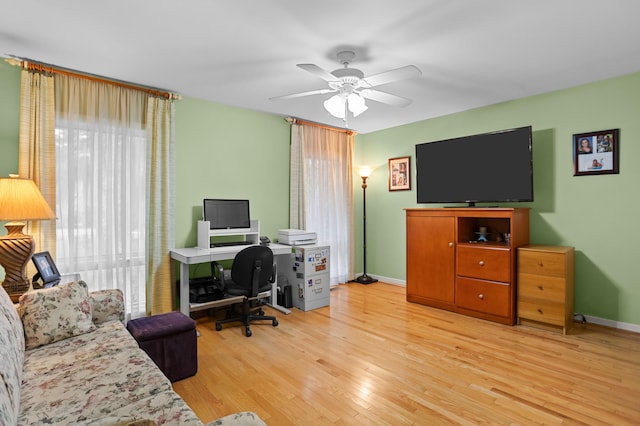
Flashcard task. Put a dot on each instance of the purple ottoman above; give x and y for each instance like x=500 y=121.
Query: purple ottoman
x=170 y=341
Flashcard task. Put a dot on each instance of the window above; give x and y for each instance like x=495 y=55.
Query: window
x=100 y=205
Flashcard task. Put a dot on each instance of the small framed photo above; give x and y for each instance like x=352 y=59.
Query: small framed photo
x=596 y=153
x=47 y=269
x=400 y=174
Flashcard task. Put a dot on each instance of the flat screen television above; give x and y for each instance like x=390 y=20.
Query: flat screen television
x=226 y=214
x=483 y=168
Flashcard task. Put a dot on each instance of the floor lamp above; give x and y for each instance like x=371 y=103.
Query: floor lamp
x=364 y=278
x=20 y=200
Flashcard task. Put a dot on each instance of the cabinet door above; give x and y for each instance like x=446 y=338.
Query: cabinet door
x=430 y=259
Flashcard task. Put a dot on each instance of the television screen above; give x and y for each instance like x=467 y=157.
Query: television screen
x=489 y=167
x=226 y=214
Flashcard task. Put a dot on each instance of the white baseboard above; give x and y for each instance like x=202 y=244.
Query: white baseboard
x=590 y=319
x=613 y=324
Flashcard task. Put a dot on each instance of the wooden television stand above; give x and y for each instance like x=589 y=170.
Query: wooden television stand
x=449 y=268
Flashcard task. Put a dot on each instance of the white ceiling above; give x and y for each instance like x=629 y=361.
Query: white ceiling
x=242 y=52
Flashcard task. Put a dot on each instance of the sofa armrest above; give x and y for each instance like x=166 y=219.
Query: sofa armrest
x=107 y=305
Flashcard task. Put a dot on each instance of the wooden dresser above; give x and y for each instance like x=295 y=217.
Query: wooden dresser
x=545 y=286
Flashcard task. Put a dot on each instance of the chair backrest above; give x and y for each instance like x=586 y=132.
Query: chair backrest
x=252 y=269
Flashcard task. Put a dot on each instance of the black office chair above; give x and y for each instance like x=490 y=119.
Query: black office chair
x=252 y=274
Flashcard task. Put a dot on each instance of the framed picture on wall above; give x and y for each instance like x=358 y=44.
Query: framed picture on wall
x=596 y=153
x=400 y=174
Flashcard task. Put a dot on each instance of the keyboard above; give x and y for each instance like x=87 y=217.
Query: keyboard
x=231 y=244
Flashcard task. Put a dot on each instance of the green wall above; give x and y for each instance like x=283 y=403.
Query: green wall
x=230 y=152
x=598 y=215
x=226 y=152
x=9 y=125
x=9 y=119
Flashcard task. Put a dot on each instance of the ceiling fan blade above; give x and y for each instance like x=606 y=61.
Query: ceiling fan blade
x=403 y=73
x=299 y=95
x=316 y=70
x=385 y=98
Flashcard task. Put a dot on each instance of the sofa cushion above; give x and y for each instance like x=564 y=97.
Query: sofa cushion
x=56 y=313
x=65 y=356
x=107 y=305
x=86 y=377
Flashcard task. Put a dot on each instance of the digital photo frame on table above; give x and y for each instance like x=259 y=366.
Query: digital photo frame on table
x=48 y=272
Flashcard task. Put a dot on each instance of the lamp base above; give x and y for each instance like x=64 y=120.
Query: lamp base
x=365 y=279
x=15 y=253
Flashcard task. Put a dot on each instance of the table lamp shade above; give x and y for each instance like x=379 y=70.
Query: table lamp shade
x=20 y=200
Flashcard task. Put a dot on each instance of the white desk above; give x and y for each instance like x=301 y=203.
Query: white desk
x=195 y=255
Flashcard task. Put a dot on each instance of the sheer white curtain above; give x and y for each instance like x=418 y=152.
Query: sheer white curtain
x=100 y=186
x=322 y=192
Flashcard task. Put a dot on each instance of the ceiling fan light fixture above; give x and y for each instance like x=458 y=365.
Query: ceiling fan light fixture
x=356 y=104
x=335 y=106
x=352 y=88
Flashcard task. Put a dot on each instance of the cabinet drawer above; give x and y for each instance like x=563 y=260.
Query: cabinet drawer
x=541 y=287
x=483 y=296
x=487 y=263
x=541 y=263
x=541 y=311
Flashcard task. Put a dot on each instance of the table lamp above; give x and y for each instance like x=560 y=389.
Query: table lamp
x=20 y=200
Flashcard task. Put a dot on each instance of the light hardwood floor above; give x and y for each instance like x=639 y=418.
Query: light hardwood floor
x=372 y=358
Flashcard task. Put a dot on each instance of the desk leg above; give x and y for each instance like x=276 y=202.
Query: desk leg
x=184 y=288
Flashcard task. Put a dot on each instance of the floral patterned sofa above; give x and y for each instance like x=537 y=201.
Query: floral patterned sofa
x=66 y=358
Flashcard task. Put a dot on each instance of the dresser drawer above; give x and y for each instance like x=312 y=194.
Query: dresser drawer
x=541 y=287
x=542 y=263
x=541 y=311
x=488 y=263
x=483 y=296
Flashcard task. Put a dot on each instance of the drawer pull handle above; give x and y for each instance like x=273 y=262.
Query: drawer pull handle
x=481 y=296
x=450 y=244
x=481 y=263
x=540 y=311
x=540 y=287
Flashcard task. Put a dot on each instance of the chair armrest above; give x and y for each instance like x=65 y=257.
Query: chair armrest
x=107 y=305
x=217 y=271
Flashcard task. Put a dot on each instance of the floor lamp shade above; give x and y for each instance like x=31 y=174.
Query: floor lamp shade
x=20 y=200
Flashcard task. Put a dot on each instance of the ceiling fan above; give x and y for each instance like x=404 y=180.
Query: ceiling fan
x=351 y=87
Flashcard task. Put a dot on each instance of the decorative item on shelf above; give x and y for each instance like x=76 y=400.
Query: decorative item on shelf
x=20 y=200
x=365 y=172
x=482 y=234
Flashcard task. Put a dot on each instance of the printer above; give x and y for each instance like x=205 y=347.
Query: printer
x=296 y=237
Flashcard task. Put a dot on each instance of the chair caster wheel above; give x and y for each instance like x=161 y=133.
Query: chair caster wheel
x=274 y=323
x=247 y=333
x=218 y=327
x=261 y=312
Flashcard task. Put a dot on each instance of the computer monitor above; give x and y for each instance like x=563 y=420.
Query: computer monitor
x=227 y=214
